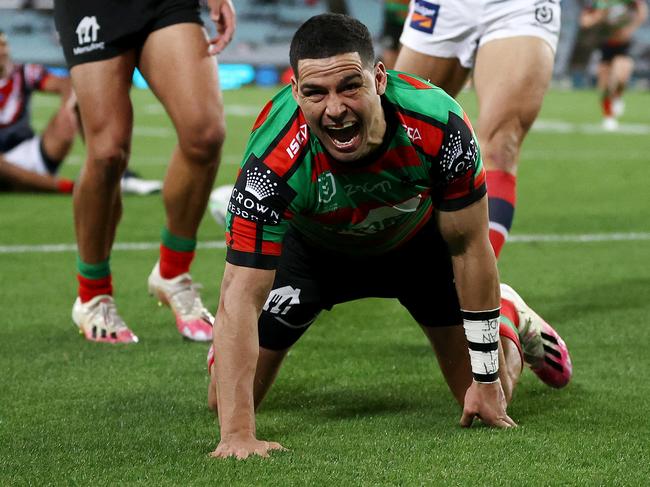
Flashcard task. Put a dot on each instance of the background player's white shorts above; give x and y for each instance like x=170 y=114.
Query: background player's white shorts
x=456 y=28
x=27 y=155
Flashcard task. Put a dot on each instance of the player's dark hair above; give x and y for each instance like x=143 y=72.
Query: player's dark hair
x=328 y=35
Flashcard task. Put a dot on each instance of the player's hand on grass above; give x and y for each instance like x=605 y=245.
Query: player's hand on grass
x=242 y=448
x=222 y=13
x=488 y=403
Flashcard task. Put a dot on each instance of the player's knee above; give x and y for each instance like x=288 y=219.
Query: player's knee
x=109 y=160
x=202 y=143
x=501 y=151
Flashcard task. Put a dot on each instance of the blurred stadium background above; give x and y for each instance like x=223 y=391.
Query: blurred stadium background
x=259 y=50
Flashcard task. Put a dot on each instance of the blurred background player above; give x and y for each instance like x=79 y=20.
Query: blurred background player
x=616 y=22
x=29 y=162
x=395 y=13
x=103 y=42
x=510 y=46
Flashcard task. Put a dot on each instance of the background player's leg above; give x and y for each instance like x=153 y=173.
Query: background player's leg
x=60 y=132
x=102 y=90
x=450 y=345
x=176 y=63
x=510 y=76
x=447 y=73
x=622 y=68
x=603 y=82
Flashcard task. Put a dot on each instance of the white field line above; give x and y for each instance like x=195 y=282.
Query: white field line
x=137 y=161
x=562 y=127
x=220 y=244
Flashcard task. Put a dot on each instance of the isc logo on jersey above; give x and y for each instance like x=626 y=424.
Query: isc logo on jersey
x=412 y=132
x=297 y=142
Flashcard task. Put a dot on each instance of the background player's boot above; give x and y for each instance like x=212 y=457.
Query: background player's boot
x=132 y=183
x=98 y=321
x=193 y=320
x=544 y=350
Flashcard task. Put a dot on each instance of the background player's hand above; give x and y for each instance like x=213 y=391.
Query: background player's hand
x=242 y=448
x=222 y=13
x=488 y=402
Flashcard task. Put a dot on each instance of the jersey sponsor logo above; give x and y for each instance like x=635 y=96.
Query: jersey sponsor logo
x=326 y=187
x=259 y=195
x=379 y=219
x=87 y=34
x=298 y=141
x=458 y=154
x=281 y=299
x=382 y=186
x=424 y=17
x=412 y=132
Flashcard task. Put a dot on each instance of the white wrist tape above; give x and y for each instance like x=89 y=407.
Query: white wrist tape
x=482 y=332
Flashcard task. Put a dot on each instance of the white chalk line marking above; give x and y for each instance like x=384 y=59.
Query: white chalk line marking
x=220 y=244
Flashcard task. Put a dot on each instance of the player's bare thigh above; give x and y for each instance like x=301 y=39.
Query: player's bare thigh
x=102 y=90
x=511 y=76
x=183 y=75
x=447 y=73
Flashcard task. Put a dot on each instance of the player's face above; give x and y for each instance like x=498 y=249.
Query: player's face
x=340 y=98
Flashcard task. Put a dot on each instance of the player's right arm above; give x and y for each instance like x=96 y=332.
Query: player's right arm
x=243 y=293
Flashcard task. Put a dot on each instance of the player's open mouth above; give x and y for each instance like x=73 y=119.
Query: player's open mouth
x=344 y=136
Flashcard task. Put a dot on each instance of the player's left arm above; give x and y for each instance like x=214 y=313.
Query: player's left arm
x=477 y=284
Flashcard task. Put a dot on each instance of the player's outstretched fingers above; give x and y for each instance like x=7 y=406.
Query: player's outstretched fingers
x=467 y=419
x=510 y=421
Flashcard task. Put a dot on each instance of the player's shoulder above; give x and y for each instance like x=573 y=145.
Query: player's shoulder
x=414 y=95
x=280 y=136
x=279 y=110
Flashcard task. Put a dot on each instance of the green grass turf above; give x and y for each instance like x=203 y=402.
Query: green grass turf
x=360 y=400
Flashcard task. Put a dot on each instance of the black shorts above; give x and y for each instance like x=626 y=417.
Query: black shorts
x=91 y=30
x=419 y=274
x=610 y=51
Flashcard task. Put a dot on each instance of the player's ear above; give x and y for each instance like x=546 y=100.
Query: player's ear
x=294 y=87
x=381 y=78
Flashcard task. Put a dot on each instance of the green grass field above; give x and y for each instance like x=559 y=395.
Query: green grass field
x=360 y=400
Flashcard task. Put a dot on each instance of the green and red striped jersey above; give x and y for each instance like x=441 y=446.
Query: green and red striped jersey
x=429 y=159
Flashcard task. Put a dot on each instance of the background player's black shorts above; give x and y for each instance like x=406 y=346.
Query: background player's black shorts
x=308 y=280
x=93 y=30
x=610 y=51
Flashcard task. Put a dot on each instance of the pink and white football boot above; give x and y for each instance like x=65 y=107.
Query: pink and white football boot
x=181 y=294
x=544 y=350
x=98 y=321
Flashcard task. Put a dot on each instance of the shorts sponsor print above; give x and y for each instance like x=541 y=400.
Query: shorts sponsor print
x=448 y=28
x=93 y=30
x=309 y=280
